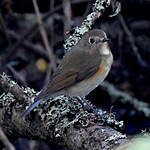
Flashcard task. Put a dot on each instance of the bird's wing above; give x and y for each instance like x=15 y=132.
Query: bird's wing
x=76 y=66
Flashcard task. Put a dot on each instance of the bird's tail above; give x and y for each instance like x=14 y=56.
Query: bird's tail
x=31 y=107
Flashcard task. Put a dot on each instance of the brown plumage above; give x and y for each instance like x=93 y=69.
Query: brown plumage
x=82 y=69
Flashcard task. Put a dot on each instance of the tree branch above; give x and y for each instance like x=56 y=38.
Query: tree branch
x=5 y=141
x=44 y=36
x=61 y=120
x=12 y=87
x=118 y=95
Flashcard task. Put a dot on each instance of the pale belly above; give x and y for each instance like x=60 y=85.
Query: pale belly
x=84 y=87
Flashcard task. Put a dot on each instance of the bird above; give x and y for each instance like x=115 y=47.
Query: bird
x=82 y=69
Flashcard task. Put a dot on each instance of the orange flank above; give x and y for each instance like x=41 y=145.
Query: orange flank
x=102 y=71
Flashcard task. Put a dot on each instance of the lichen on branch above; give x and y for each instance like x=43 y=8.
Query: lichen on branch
x=99 y=8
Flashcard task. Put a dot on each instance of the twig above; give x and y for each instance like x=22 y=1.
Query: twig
x=5 y=141
x=52 y=3
x=88 y=7
x=44 y=36
x=34 y=28
x=29 y=31
x=17 y=76
x=131 y=41
x=12 y=87
x=4 y=29
x=68 y=15
x=28 y=45
x=8 y=5
x=126 y=98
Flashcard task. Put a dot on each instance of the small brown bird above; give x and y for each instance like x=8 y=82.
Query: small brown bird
x=82 y=69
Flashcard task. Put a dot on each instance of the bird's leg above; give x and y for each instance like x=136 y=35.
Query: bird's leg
x=103 y=116
x=88 y=106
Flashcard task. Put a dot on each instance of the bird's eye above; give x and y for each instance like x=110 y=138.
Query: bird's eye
x=91 y=40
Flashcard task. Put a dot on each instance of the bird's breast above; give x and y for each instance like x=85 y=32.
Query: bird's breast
x=85 y=86
x=101 y=73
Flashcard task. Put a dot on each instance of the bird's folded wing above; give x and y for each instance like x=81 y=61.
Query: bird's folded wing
x=70 y=74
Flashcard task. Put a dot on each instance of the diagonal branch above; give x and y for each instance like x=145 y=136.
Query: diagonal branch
x=12 y=87
x=99 y=8
x=116 y=94
x=44 y=36
x=5 y=141
x=132 y=41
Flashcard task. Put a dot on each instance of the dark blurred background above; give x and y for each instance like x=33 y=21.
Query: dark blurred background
x=23 y=55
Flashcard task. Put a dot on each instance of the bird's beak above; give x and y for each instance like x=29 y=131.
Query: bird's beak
x=106 y=40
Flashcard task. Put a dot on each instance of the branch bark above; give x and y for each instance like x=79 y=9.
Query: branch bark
x=61 y=120
x=5 y=141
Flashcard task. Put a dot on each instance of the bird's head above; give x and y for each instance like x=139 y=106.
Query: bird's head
x=96 y=40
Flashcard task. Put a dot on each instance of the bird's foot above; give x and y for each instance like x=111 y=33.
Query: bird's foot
x=89 y=107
